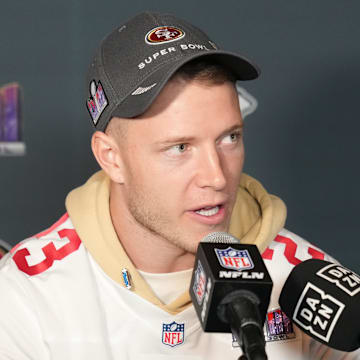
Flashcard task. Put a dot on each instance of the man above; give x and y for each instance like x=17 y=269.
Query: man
x=110 y=279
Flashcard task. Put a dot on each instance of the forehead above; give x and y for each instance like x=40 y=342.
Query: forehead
x=190 y=106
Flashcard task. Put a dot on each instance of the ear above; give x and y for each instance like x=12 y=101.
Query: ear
x=107 y=154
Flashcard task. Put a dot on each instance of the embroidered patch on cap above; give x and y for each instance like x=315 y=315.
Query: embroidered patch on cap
x=141 y=90
x=234 y=259
x=278 y=326
x=97 y=102
x=173 y=334
x=163 y=34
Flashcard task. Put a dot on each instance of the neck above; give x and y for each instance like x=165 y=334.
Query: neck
x=148 y=251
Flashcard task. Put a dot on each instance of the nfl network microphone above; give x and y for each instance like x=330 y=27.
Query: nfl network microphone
x=230 y=289
x=323 y=299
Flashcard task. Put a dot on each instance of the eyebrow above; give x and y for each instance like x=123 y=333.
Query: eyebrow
x=185 y=139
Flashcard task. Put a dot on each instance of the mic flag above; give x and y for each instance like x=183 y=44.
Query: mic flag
x=323 y=299
x=225 y=270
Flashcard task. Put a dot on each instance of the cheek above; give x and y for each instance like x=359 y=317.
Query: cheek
x=233 y=164
x=137 y=166
x=149 y=176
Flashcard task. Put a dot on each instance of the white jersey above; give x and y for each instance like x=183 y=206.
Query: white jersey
x=57 y=303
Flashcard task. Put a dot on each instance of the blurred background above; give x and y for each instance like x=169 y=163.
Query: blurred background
x=301 y=142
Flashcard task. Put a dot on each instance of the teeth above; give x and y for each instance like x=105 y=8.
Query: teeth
x=208 y=212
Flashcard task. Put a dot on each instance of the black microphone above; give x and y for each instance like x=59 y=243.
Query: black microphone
x=230 y=289
x=323 y=299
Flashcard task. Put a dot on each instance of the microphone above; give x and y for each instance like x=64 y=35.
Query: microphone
x=230 y=289
x=323 y=299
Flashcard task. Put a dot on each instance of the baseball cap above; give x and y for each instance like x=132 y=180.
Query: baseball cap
x=135 y=61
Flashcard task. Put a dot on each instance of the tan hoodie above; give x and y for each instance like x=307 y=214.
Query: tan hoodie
x=256 y=219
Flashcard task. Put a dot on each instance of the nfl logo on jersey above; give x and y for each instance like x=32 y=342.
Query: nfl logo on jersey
x=173 y=334
x=234 y=259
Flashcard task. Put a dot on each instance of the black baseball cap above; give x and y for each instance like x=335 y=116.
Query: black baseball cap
x=135 y=61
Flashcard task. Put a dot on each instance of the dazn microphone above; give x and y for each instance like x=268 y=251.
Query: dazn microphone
x=230 y=289
x=323 y=299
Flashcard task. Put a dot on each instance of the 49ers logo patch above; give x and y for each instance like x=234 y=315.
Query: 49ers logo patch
x=163 y=34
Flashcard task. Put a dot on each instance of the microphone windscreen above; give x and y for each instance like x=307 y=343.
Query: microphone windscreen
x=220 y=237
x=323 y=299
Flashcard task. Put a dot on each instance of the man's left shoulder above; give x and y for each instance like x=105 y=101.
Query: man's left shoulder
x=285 y=252
x=290 y=249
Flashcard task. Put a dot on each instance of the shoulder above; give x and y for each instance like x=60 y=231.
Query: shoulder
x=43 y=252
x=34 y=287
x=285 y=252
x=291 y=249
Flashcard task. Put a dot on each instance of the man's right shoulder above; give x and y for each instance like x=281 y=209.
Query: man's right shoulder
x=43 y=253
x=47 y=291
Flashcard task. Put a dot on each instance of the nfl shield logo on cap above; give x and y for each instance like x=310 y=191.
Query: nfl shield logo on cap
x=173 y=334
x=234 y=259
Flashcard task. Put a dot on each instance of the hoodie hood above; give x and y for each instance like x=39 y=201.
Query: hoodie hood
x=256 y=219
x=257 y=216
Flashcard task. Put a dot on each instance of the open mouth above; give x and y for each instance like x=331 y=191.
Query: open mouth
x=209 y=211
x=209 y=215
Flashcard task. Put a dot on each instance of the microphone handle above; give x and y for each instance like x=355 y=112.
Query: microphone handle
x=247 y=332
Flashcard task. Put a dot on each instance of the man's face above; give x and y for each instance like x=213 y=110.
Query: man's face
x=183 y=160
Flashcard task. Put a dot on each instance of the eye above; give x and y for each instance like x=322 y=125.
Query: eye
x=232 y=138
x=177 y=149
x=181 y=147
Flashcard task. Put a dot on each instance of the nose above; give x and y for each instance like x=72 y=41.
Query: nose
x=210 y=172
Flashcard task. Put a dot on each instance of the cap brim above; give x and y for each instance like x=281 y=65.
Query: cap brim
x=137 y=104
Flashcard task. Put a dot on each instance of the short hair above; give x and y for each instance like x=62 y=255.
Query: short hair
x=206 y=70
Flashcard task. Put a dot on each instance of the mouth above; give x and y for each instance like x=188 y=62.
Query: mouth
x=209 y=215
x=209 y=210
